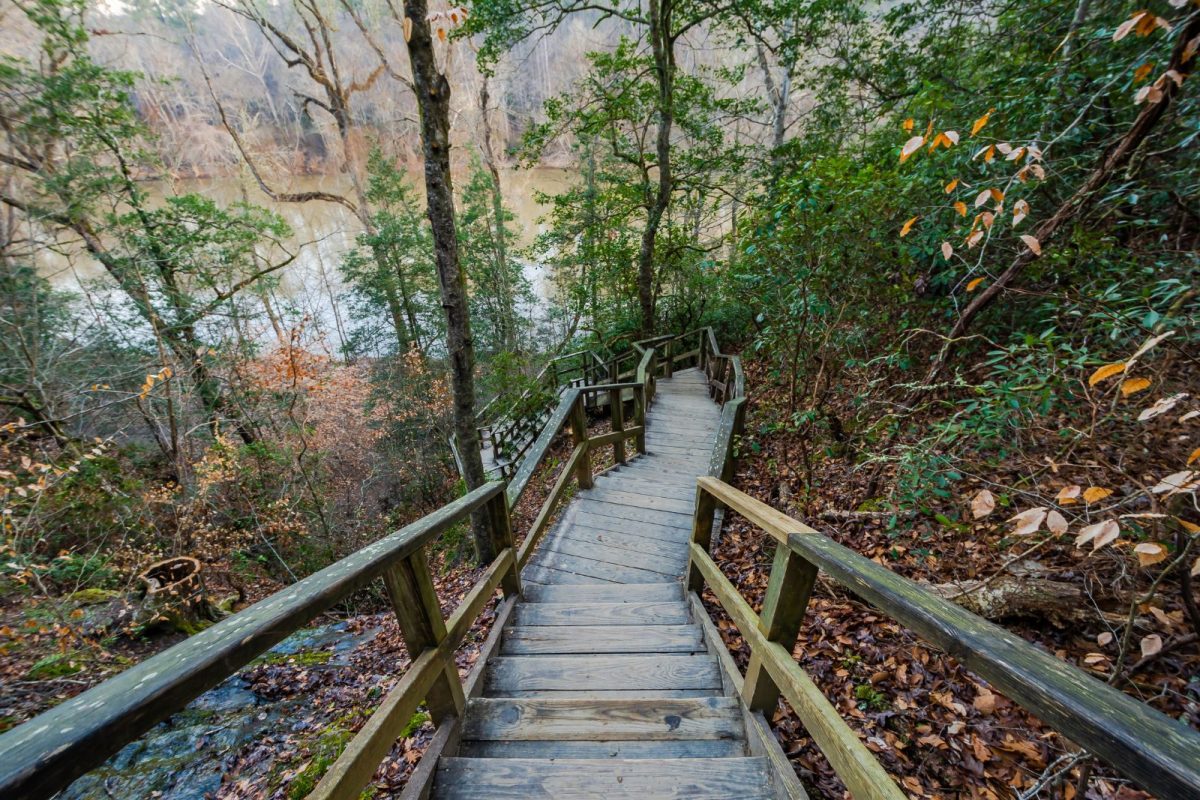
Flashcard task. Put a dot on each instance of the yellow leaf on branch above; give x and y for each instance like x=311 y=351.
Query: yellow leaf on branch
x=1105 y=372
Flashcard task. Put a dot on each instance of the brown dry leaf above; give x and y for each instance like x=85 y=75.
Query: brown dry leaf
x=982 y=504
x=1099 y=534
x=1177 y=482
x=983 y=197
x=1151 y=645
x=1095 y=493
x=985 y=703
x=1107 y=371
x=1195 y=568
x=1068 y=494
x=1029 y=521
x=947 y=250
x=1134 y=385
x=1149 y=553
x=1104 y=638
x=1056 y=523
x=1161 y=406
x=1032 y=243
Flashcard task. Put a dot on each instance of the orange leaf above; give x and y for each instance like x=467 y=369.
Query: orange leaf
x=961 y=208
x=442 y=34
x=908 y=226
x=950 y=186
x=1093 y=494
x=1133 y=386
x=979 y=123
x=910 y=147
x=1107 y=371
x=908 y=124
x=1141 y=72
x=973 y=285
x=1150 y=553
x=1195 y=455
x=997 y=195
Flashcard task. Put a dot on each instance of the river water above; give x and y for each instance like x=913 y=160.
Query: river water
x=322 y=233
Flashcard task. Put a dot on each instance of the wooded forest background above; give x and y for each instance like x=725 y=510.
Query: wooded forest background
x=955 y=240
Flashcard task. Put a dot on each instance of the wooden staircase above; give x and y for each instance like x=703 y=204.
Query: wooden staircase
x=607 y=681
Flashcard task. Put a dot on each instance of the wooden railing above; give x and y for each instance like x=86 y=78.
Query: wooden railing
x=1159 y=753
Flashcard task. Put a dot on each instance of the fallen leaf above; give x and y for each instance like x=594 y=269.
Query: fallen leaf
x=1104 y=638
x=947 y=250
x=1099 y=534
x=985 y=703
x=1133 y=386
x=1095 y=493
x=974 y=284
x=1056 y=523
x=1175 y=483
x=1149 y=553
x=1107 y=371
x=1151 y=645
x=1149 y=343
x=1068 y=494
x=1161 y=406
x=982 y=504
x=1028 y=521
x=1195 y=455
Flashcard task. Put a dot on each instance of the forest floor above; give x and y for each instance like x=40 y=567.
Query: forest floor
x=940 y=730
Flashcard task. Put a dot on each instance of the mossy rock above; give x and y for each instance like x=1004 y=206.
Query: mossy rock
x=91 y=597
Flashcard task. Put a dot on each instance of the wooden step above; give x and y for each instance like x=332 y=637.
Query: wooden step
x=644 y=613
x=640 y=500
x=537 y=718
x=626 y=483
x=602 y=570
x=645 y=539
x=589 y=779
x=682 y=748
x=514 y=676
x=576 y=639
x=664 y=560
x=633 y=513
x=602 y=593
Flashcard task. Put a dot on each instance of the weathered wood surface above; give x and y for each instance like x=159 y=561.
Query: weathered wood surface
x=628 y=593
x=683 y=748
x=604 y=720
x=601 y=673
x=36 y=760
x=569 y=779
x=578 y=639
x=664 y=613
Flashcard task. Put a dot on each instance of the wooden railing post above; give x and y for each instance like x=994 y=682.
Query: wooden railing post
x=788 y=590
x=702 y=528
x=639 y=417
x=669 y=369
x=616 y=409
x=419 y=613
x=583 y=471
x=500 y=523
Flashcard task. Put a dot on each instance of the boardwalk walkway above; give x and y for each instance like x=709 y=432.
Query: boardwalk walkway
x=607 y=682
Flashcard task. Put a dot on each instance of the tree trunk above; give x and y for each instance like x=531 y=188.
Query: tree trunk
x=433 y=100
x=663 y=47
x=508 y=311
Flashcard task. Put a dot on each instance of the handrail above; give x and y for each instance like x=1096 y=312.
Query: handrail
x=43 y=755
x=1160 y=753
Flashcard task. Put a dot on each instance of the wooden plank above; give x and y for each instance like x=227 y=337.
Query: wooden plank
x=548 y=575
x=788 y=588
x=850 y=758
x=646 y=539
x=602 y=673
x=618 y=483
x=569 y=639
x=592 y=568
x=525 y=719
x=570 y=779
x=607 y=694
x=45 y=754
x=775 y=523
x=687 y=748
x=445 y=741
x=548 y=507
x=598 y=593
x=668 y=613
x=639 y=500
x=1160 y=753
x=653 y=516
x=473 y=685
x=659 y=566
